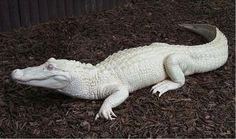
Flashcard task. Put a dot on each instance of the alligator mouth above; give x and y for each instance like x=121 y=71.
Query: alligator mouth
x=28 y=81
x=24 y=81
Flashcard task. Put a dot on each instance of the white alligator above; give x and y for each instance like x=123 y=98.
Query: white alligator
x=114 y=78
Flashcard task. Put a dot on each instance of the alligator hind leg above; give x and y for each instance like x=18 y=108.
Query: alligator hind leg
x=175 y=66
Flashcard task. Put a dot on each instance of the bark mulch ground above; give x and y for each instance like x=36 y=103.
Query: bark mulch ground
x=203 y=107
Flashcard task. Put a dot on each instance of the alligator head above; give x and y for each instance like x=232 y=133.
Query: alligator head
x=47 y=75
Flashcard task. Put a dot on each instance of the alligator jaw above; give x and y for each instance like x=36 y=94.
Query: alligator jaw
x=18 y=76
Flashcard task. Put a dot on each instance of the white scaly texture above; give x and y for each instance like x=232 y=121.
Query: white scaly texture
x=161 y=64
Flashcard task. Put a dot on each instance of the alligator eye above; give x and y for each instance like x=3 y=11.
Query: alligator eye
x=50 y=67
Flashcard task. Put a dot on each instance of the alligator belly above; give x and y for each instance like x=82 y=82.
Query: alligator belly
x=142 y=75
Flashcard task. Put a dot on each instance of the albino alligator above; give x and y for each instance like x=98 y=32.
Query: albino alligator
x=114 y=78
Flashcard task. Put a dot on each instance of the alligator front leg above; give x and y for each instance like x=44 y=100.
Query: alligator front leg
x=112 y=101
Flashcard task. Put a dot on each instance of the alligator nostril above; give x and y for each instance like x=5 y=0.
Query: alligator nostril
x=16 y=74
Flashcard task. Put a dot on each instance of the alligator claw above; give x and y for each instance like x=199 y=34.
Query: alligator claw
x=105 y=112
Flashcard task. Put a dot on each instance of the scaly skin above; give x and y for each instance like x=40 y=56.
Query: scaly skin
x=161 y=64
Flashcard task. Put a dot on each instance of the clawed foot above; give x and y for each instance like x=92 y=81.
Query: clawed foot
x=164 y=86
x=105 y=112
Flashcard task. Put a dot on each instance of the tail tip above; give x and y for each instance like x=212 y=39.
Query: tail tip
x=188 y=26
x=195 y=26
x=206 y=30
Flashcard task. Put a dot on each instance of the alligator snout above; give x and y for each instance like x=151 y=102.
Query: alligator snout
x=16 y=74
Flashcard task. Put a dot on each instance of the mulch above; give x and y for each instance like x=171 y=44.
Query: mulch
x=203 y=107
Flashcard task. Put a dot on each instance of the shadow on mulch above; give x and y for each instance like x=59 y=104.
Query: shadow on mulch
x=204 y=107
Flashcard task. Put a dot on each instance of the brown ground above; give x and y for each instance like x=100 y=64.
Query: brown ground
x=204 y=107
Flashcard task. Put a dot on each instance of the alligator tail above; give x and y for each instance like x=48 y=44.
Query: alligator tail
x=211 y=55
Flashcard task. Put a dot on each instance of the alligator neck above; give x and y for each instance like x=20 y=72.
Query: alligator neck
x=84 y=83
